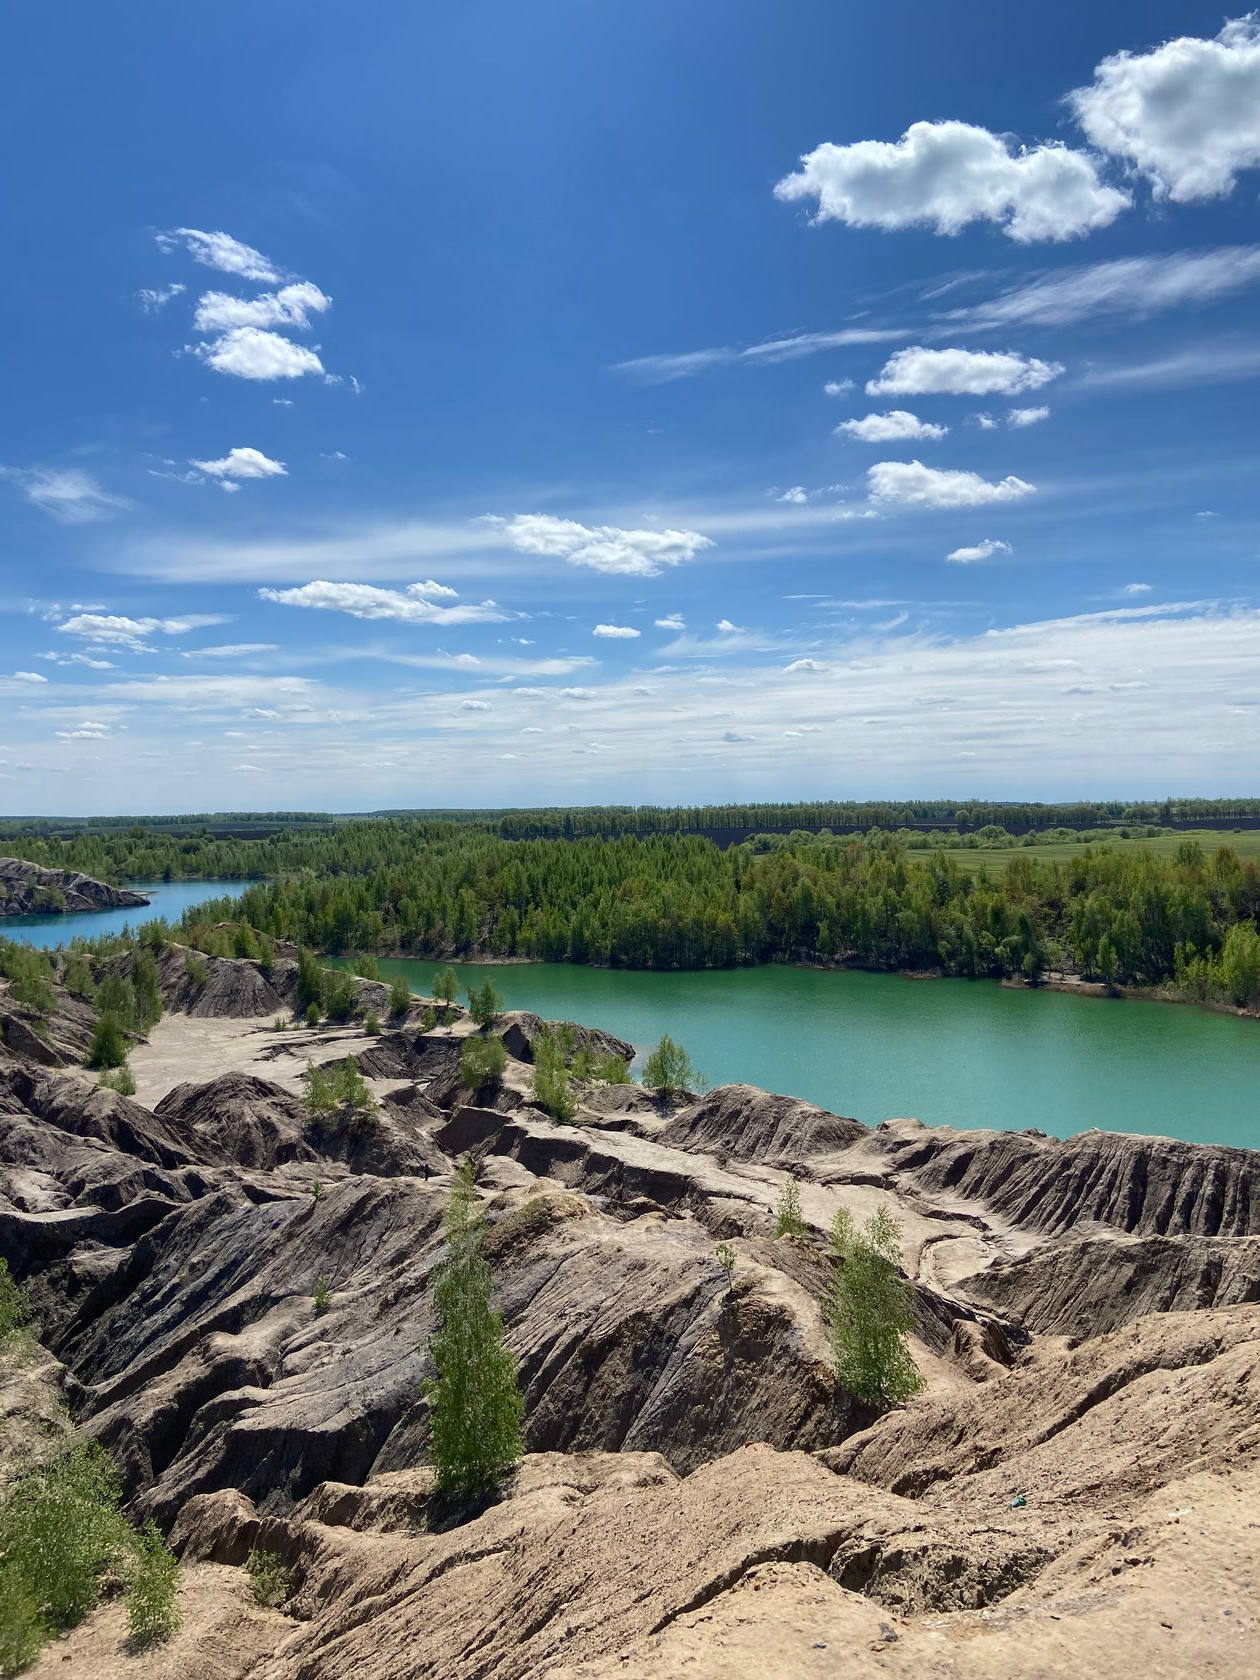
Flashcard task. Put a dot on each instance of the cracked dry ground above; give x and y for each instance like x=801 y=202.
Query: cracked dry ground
x=1074 y=1493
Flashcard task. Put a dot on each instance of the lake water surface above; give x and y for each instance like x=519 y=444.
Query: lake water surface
x=169 y=899
x=952 y=1052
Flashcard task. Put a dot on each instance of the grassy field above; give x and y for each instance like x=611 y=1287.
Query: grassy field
x=1246 y=842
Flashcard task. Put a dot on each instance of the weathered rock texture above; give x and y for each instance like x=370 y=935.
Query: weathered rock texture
x=700 y=1499
x=28 y=889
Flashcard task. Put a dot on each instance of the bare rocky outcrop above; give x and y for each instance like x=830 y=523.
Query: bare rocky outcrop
x=28 y=889
x=752 y=1125
x=1148 y=1186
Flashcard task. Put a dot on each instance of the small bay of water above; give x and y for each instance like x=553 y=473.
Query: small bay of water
x=951 y=1052
x=168 y=898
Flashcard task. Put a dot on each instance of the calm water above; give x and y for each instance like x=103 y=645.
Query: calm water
x=955 y=1052
x=169 y=899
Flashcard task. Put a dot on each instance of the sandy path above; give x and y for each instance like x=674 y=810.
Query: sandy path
x=181 y=1048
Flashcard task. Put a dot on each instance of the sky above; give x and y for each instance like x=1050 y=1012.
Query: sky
x=501 y=404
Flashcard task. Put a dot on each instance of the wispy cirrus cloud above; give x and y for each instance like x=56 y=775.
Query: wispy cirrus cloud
x=660 y=370
x=66 y=494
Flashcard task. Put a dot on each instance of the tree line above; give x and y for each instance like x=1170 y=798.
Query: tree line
x=677 y=902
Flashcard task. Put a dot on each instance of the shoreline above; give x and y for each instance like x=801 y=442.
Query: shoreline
x=1066 y=985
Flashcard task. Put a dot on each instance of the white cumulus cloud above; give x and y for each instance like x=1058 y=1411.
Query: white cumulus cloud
x=979 y=551
x=252 y=353
x=1026 y=416
x=616 y=632
x=837 y=387
x=221 y=251
x=953 y=372
x=911 y=484
x=29 y=677
x=291 y=306
x=796 y=494
x=118 y=630
x=897 y=424
x=604 y=548
x=947 y=174
x=365 y=600
x=1186 y=116
x=241 y=463
x=674 y=621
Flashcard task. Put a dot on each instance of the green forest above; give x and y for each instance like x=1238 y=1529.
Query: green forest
x=1185 y=922
x=1181 y=919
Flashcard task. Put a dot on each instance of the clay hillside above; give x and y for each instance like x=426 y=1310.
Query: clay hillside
x=1074 y=1493
x=26 y=889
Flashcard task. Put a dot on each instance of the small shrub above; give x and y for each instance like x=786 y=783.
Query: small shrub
x=272 y=1582
x=151 y=1609
x=60 y=1527
x=341 y=996
x=428 y=1018
x=22 y=1630
x=317 y=1191
x=789 y=1221
x=279 y=1024
x=399 y=996
x=312 y=1015
x=612 y=1069
x=366 y=967
x=726 y=1259
x=119 y=1079
x=14 y=1312
x=481 y=1062
x=323 y=1293
x=371 y=1023
x=197 y=969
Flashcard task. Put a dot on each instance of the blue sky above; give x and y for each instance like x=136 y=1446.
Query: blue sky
x=590 y=403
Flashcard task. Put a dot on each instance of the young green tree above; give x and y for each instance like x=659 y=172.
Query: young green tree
x=1240 y=964
x=146 y=1008
x=475 y=1406
x=789 y=1221
x=484 y=1002
x=551 y=1085
x=481 y=1062
x=109 y=1044
x=726 y=1259
x=318 y=1091
x=310 y=979
x=668 y=1069
x=351 y=1090
x=446 y=986
x=870 y=1311
x=399 y=996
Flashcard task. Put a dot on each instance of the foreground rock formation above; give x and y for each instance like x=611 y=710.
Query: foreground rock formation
x=27 y=889
x=1074 y=1493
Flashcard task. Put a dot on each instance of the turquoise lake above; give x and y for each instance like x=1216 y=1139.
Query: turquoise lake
x=951 y=1052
